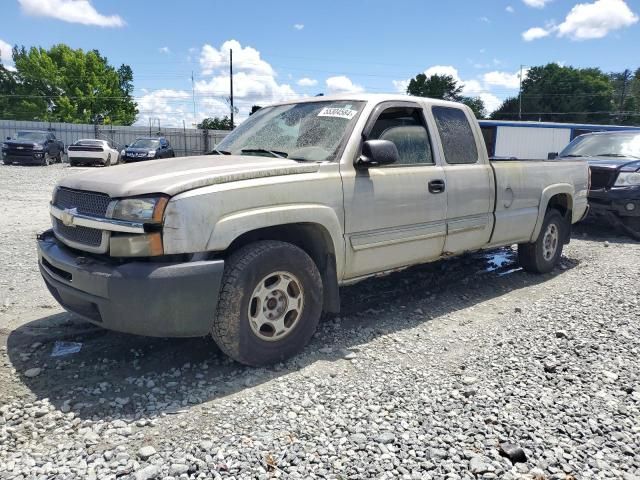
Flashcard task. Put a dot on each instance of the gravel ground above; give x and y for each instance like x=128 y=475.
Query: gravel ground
x=463 y=369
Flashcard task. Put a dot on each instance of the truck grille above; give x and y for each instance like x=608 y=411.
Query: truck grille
x=601 y=177
x=87 y=203
x=81 y=235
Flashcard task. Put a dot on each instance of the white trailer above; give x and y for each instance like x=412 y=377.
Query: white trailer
x=529 y=140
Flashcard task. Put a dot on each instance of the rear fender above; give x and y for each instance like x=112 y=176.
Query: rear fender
x=547 y=194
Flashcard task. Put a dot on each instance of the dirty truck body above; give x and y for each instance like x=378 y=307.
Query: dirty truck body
x=251 y=247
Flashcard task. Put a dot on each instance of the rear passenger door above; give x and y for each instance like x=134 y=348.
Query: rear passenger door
x=395 y=214
x=470 y=181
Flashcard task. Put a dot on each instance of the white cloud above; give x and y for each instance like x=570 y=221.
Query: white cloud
x=245 y=59
x=298 y=26
x=400 y=85
x=536 y=3
x=5 y=53
x=535 y=33
x=510 y=9
x=164 y=50
x=588 y=21
x=485 y=19
x=503 y=79
x=342 y=84
x=254 y=83
x=474 y=87
x=72 y=11
x=307 y=82
x=595 y=20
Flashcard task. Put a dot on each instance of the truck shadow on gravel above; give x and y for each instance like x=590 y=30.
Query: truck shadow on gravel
x=126 y=376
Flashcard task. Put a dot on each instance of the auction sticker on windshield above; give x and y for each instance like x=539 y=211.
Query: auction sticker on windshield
x=338 y=112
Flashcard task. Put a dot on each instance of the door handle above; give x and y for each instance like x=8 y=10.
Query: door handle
x=436 y=186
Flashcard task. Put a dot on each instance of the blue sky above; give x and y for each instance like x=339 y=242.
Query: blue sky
x=283 y=49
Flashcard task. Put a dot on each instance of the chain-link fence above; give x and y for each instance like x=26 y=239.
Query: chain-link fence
x=185 y=141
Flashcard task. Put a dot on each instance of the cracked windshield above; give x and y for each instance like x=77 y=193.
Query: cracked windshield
x=309 y=132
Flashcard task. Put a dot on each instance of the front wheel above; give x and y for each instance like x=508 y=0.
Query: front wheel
x=270 y=303
x=543 y=255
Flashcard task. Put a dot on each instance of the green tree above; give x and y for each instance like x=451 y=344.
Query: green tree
x=444 y=87
x=216 y=123
x=554 y=93
x=626 y=100
x=67 y=85
x=476 y=104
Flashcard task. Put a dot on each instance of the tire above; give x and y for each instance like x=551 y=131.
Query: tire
x=108 y=162
x=543 y=255
x=72 y=163
x=59 y=158
x=262 y=274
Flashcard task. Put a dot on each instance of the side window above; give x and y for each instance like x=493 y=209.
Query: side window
x=458 y=140
x=405 y=127
x=489 y=134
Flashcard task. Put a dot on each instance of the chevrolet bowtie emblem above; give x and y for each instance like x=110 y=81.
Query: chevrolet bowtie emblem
x=66 y=217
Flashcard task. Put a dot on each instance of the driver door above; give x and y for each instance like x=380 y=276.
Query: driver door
x=395 y=215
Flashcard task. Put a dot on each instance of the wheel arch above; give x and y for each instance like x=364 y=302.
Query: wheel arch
x=559 y=197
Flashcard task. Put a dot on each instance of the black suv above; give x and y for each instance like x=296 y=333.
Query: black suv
x=614 y=163
x=33 y=147
x=147 y=149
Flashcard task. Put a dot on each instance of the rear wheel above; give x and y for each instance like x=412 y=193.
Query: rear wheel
x=107 y=163
x=543 y=255
x=59 y=158
x=270 y=303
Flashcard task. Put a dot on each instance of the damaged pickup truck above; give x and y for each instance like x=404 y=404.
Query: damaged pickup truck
x=614 y=160
x=251 y=244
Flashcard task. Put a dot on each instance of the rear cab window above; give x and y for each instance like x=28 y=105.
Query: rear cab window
x=456 y=135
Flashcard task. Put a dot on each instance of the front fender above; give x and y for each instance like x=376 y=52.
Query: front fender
x=548 y=193
x=232 y=226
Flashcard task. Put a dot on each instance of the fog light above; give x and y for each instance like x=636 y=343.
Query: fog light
x=630 y=207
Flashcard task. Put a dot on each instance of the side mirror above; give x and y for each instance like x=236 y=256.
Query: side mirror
x=126 y=146
x=552 y=155
x=8 y=138
x=378 y=152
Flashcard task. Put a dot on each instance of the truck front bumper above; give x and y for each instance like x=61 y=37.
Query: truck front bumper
x=30 y=159
x=143 y=298
x=620 y=201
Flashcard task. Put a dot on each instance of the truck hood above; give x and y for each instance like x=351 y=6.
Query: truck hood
x=626 y=164
x=19 y=143
x=176 y=175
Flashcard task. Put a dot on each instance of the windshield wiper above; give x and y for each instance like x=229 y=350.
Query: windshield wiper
x=572 y=155
x=219 y=152
x=273 y=153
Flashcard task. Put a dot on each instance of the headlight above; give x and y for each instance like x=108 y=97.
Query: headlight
x=5 y=145
x=627 y=179
x=38 y=147
x=123 y=152
x=152 y=153
x=144 y=209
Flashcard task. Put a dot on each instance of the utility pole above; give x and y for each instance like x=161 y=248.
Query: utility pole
x=231 y=83
x=193 y=96
x=520 y=96
x=625 y=78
